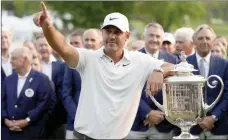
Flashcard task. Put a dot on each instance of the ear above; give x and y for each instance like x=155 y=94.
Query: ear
x=127 y=35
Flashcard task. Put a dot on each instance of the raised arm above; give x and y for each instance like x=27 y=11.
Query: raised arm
x=55 y=39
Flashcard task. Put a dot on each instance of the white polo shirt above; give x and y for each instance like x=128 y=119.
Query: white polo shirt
x=110 y=93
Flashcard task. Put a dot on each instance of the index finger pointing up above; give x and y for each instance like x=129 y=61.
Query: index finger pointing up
x=44 y=8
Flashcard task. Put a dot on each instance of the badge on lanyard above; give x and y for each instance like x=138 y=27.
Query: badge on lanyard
x=29 y=92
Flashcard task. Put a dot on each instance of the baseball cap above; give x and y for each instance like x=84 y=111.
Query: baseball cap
x=169 y=37
x=117 y=19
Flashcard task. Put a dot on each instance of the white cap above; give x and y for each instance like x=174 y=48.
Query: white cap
x=118 y=20
x=169 y=37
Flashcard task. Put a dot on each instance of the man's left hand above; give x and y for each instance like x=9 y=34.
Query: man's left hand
x=207 y=123
x=21 y=123
x=154 y=83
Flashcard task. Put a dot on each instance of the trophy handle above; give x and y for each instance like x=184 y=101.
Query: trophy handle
x=214 y=83
x=161 y=107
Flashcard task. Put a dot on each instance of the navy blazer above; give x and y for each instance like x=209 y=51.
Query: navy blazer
x=146 y=104
x=59 y=114
x=36 y=106
x=70 y=94
x=3 y=75
x=218 y=66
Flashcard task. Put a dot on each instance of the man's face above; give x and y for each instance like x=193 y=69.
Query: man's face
x=6 y=40
x=114 y=39
x=36 y=64
x=76 y=41
x=216 y=49
x=92 y=40
x=44 y=48
x=29 y=45
x=169 y=47
x=17 y=61
x=203 y=42
x=153 y=38
x=183 y=45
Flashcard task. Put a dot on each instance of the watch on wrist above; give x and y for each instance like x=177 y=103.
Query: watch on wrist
x=159 y=70
x=28 y=119
x=214 y=117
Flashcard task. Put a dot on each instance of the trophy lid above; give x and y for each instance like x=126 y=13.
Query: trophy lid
x=184 y=72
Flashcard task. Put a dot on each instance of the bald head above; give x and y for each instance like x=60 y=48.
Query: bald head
x=92 y=39
x=22 y=51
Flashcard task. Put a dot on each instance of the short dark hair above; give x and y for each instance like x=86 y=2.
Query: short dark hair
x=77 y=32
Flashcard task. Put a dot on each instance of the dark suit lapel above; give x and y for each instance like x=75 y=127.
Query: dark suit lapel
x=28 y=82
x=213 y=65
x=14 y=87
x=195 y=64
x=143 y=50
x=53 y=70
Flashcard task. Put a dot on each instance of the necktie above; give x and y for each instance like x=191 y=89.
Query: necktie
x=202 y=68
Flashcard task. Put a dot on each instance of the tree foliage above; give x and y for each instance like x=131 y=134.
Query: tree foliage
x=168 y=13
x=90 y=14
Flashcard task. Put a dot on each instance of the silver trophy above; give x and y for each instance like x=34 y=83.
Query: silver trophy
x=183 y=98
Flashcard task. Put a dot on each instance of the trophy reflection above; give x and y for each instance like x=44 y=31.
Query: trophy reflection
x=183 y=98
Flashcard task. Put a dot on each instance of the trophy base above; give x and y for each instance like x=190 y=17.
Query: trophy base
x=187 y=136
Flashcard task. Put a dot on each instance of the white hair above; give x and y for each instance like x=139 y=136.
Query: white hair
x=23 y=51
x=156 y=25
x=203 y=26
x=185 y=32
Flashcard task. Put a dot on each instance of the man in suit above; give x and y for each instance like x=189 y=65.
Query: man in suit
x=26 y=99
x=54 y=69
x=184 y=42
x=72 y=87
x=6 y=67
x=214 y=125
x=149 y=122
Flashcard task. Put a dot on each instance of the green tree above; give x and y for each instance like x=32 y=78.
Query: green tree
x=168 y=14
x=21 y=8
x=89 y=14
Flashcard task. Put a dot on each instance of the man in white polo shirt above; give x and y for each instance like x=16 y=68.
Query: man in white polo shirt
x=112 y=78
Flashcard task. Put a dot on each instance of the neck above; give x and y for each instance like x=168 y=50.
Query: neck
x=151 y=51
x=5 y=54
x=203 y=54
x=24 y=70
x=115 y=56
x=46 y=59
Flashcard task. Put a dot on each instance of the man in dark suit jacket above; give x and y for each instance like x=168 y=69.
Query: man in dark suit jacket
x=72 y=86
x=148 y=114
x=70 y=97
x=215 y=123
x=54 y=69
x=3 y=75
x=26 y=99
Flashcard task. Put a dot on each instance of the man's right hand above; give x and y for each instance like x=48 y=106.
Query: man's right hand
x=155 y=117
x=42 y=19
x=11 y=125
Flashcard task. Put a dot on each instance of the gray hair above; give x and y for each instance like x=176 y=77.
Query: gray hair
x=156 y=25
x=200 y=27
x=185 y=32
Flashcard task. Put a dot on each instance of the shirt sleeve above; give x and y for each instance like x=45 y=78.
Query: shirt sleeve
x=151 y=63
x=83 y=55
